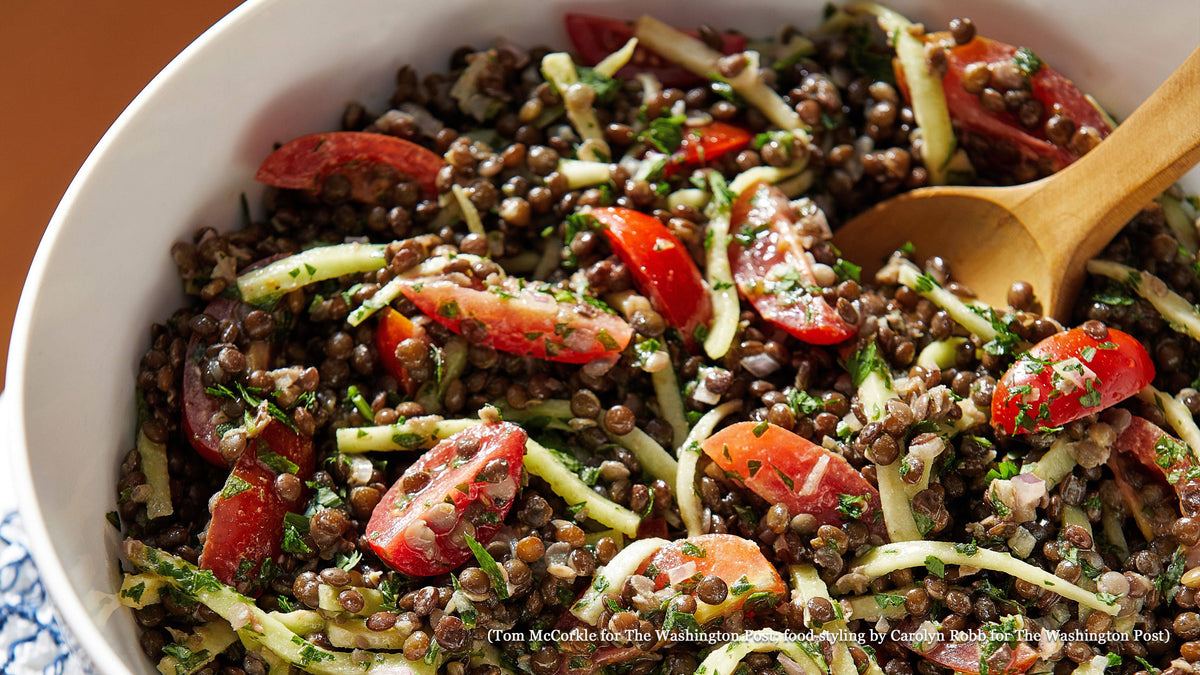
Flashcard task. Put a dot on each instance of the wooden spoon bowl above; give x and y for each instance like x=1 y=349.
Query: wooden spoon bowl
x=1043 y=232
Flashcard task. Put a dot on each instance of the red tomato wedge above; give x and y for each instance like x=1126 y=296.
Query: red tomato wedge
x=1047 y=85
x=201 y=410
x=519 y=319
x=392 y=329
x=737 y=561
x=247 y=518
x=470 y=482
x=1067 y=376
x=595 y=37
x=964 y=657
x=784 y=468
x=305 y=163
x=1165 y=456
x=772 y=270
x=702 y=145
x=661 y=266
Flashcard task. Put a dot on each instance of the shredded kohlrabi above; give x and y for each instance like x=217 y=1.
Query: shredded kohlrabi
x=901 y=555
x=690 y=509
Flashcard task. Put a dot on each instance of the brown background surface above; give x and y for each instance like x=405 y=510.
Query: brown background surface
x=67 y=69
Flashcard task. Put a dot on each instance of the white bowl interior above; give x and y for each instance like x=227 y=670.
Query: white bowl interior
x=186 y=149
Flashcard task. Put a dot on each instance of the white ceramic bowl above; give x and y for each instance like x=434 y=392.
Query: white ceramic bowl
x=181 y=154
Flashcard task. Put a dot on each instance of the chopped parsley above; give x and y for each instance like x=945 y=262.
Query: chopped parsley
x=693 y=550
x=935 y=566
x=787 y=480
x=235 y=485
x=722 y=196
x=802 y=403
x=295 y=526
x=1003 y=471
x=186 y=660
x=852 y=507
x=488 y=564
x=1092 y=398
x=665 y=133
x=864 y=362
x=847 y=271
x=605 y=87
x=1027 y=61
x=349 y=562
x=885 y=600
x=1168 y=582
x=741 y=586
x=967 y=549
x=278 y=463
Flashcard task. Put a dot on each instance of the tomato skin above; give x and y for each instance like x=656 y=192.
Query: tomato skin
x=777 y=250
x=389 y=528
x=595 y=37
x=523 y=320
x=1141 y=439
x=201 y=409
x=306 y=162
x=702 y=145
x=778 y=452
x=964 y=657
x=392 y=329
x=248 y=526
x=661 y=265
x=1122 y=369
x=1047 y=85
x=727 y=556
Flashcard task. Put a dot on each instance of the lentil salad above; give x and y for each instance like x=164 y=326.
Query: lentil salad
x=521 y=291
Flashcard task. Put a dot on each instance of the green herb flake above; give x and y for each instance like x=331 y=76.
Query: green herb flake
x=741 y=586
x=349 y=562
x=852 y=507
x=924 y=523
x=1003 y=471
x=864 y=362
x=1092 y=398
x=186 y=660
x=276 y=462
x=449 y=310
x=1027 y=61
x=847 y=271
x=787 y=480
x=722 y=196
x=488 y=564
x=693 y=550
x=408 y=440
x=761 y=428
x=607 y=341
x=235 y=485
x=134 y=592
x=665 y=133
x=967 y=549
x=885 y=600
x=935 y=566
x=295 y=526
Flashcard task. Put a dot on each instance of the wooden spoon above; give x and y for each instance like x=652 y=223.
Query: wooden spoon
x=1043 y=232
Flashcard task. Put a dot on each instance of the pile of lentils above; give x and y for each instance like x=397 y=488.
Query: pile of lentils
x=862 y=151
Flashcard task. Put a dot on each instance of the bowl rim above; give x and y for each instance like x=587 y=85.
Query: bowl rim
x=54 y=578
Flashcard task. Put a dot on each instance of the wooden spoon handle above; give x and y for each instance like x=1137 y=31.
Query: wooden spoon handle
x=1080 y=209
